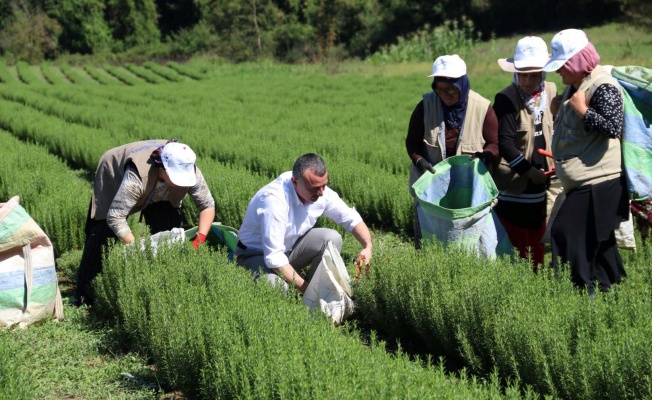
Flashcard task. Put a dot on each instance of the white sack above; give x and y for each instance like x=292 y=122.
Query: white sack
x=329 y=288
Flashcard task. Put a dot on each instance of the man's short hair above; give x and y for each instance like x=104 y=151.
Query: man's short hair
x=309 y=161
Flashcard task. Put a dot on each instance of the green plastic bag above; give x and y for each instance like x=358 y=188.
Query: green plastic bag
x=454 y=206
x=218 y=235
x=636 y=83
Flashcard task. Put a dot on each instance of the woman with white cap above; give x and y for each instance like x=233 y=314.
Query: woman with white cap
x=524 y=127
x=450 y=120
x=152 y=177
x=587 y=155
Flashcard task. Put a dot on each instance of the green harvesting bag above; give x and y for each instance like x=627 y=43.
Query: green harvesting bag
x=218 y=235
x=455 y=203
x=636 y=83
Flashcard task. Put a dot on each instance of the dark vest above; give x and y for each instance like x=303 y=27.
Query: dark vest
x=111 y=170
x=434 y=143
x=507 y=179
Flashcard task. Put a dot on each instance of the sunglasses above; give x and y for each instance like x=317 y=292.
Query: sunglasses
x=449 y=91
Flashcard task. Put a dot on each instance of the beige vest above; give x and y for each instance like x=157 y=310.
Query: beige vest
x=111 y=170
x=581 y=157
x=507 y=179
x=434 y=138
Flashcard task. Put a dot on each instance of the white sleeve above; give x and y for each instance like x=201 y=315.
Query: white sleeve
x=337 y=210
x=274 y=219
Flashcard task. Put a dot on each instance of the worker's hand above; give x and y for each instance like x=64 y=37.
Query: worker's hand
x=199 y=240
x=537 y=176
x=364 y=256
x=579 y=103
x=484 y=156
x=424 y=165
x=129 y=238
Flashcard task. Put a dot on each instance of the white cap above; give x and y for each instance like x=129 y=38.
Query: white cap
x=530 y=55
x=565 y=45
x=448 y=66
x=179 y=163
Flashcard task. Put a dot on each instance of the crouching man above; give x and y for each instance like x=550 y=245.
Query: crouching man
x=278 y=236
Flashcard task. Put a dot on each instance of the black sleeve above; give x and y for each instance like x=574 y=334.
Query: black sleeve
x=414 y=139
x=490 y=133
x=507 y=127
x=605 y=114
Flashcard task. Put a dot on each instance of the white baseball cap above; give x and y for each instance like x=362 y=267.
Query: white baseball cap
x=565 y=45
x=448 y=66
x=179 y=162
x=530 y=55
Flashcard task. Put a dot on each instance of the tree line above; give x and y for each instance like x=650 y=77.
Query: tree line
x=284 y=30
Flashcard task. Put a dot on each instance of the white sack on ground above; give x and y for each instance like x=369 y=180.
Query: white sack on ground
x=329 y=288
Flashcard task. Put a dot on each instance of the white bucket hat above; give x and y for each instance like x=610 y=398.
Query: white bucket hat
x=530 y=55
x=565 y=45
x=448 y=66
x=179 y=162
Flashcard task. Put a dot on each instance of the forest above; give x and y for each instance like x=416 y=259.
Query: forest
x=290 y=31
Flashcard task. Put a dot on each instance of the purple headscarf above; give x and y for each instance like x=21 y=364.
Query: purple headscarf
x=583 y=62
x=454 y=115
x=155 y=157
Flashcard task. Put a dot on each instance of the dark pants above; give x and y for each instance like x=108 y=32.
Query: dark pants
x=159 y=217
x=583 y=235
x=417 y=227
x=527 y=241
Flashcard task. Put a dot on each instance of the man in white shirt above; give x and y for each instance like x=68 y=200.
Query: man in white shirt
x=277 y=235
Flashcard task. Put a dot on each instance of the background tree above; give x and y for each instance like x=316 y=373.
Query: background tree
x=28 y=33
x=134 y=22
x=295 y=38
x=176 y=15
x=506 y=17
x=84 y=28
x=244 y=28
x=638 y=12
x=290 y=30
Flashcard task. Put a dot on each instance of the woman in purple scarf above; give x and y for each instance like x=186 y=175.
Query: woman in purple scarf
x=586 y=150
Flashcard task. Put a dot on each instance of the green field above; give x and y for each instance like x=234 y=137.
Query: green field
x=498 y=330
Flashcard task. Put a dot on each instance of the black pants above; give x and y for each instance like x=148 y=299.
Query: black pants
x=159 y=217
x=583 y=234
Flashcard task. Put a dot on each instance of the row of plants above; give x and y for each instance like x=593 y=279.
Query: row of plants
x=53 y=194
x=75 y=358
x=128 y=74
x=450 y=305
x=234 y=365
x=82 y=147
x=213 y=332
x=498 y=316
x=497 y=319
x=51 y=176
x=373 y=177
